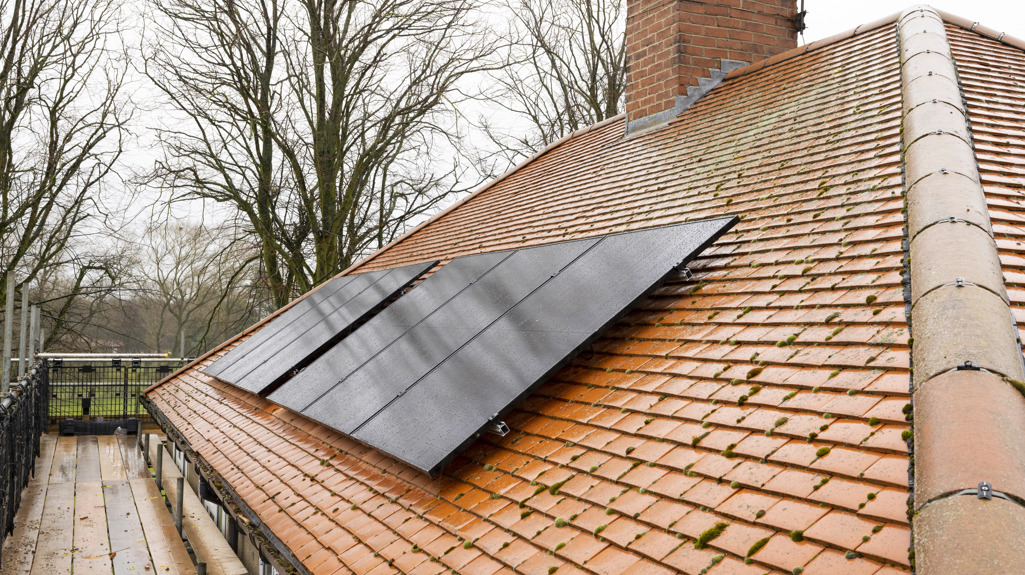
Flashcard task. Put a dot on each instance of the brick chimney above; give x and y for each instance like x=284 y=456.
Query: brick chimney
x=677 y=50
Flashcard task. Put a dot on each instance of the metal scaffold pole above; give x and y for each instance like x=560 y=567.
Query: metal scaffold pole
x=5 y=382
x=23 y=341
x=33 y=332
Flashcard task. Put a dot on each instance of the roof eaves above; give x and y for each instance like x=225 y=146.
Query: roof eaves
x=817 y=44
x=268 y=544
x=966 y=413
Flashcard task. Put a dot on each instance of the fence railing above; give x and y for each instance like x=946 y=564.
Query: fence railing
x=107 y=388
x=23 y=419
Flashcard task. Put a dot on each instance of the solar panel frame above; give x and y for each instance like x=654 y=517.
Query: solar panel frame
x=276 y=324
x=378 y=430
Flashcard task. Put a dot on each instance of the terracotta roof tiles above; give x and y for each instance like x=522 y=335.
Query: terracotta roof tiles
x=769 y=393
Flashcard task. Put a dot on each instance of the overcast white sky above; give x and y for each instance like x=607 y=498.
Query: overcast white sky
x=828 y=17
x=825 y=18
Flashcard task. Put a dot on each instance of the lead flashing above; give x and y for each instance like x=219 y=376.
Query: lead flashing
x=694 y=93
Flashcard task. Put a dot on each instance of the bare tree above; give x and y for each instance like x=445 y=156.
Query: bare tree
x=179 y=276
x=62 y=129
x=313 y=119
x=216 y=63
x=195 y=279
x=373 y=81
x=565 y=69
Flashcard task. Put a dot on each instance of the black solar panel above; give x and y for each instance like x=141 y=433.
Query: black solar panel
x=341 y=360
x=311 y=326
x=424 y=377
x=423 y=346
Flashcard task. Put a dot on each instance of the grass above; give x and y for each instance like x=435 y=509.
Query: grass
x=112 y=392
x=105 y=400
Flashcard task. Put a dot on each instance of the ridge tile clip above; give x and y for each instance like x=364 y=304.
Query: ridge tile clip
x=985 y=490
x=968 y=366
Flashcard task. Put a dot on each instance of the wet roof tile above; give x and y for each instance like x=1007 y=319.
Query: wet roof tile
x=770 y=390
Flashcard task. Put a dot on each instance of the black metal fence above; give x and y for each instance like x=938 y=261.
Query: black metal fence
x=91 y=390
x=23 y=419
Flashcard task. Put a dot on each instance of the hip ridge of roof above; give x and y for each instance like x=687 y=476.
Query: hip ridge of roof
x=965 y=340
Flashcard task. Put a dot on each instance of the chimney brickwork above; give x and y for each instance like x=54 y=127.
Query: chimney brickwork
x=678 y=49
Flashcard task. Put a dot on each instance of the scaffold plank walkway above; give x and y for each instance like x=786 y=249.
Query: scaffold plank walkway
x=93 y=509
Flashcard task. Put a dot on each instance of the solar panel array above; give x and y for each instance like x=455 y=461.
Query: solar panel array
x=312 y=325
x=421 y=379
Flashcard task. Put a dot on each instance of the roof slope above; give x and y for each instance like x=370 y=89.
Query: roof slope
x=993 y=78
x=768 y=393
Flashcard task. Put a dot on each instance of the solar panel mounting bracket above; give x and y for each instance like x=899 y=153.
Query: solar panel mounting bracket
x=499 y=428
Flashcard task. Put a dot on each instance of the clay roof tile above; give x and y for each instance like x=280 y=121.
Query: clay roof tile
x=769 y=393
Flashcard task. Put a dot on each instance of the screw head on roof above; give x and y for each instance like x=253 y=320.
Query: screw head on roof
x=943 y=170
